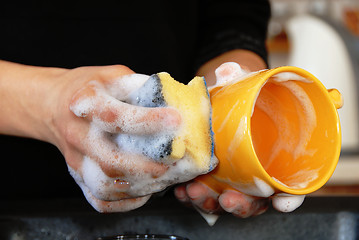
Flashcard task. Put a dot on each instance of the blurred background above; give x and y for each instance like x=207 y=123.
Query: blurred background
x=322 y=37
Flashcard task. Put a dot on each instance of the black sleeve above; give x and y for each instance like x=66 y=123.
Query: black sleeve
x=231 y=24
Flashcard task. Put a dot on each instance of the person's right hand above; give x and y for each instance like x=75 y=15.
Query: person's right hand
x=86 y=111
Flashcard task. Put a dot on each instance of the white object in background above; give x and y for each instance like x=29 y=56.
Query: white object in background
x=318 y=48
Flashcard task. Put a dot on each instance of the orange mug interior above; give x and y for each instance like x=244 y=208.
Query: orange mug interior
x=295 y=132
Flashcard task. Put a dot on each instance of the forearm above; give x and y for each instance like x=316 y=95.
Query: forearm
x=248 y=60
x=24 y=94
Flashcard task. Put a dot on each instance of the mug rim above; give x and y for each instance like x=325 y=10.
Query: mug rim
x=307 y=75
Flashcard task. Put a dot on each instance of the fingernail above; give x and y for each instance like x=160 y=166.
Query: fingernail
x=228 y=201
x=180 y=193
x=228 y=204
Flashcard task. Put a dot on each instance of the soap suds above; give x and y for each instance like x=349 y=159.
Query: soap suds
x=96 y=180
x=265 y=190
x=230 y=73
x=297 y=146
x=308 y=123
x=122 y=87
x=130 y=150
x=210 y=218
x=286 y=202
x=156 y=147
x=227 y=72
x=141 y=183
x=285 y=76
x=300 y=179
x=259 y=189
x=83 y=107
x=271 y=105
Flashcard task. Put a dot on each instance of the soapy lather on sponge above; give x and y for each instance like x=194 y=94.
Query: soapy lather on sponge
x=194 y=138
x=184 y=151
x=188 y=151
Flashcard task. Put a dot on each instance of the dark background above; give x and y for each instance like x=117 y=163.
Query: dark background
x=147 y=36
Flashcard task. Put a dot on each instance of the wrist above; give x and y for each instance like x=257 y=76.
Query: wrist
x=25 y=94
x=48 y=88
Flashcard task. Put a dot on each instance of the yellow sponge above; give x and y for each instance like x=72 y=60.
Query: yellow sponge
x=194 y=139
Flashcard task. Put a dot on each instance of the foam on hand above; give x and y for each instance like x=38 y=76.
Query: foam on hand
x=227 y=72
x=183 y=152
x=188 y=151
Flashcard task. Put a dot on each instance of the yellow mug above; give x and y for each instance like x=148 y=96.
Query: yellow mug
x=275 y=131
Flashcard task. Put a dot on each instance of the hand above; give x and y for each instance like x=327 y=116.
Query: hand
x=207 y=200
x=232 y=201
x=82 y=111
x=86 y=112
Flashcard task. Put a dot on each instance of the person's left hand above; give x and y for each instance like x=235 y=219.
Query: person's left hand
x=207 y=200
x=89 y=113
x=239 y=204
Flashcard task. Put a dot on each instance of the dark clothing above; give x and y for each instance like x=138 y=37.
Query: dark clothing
x=147 y=36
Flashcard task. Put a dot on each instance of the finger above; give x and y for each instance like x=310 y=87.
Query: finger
x=110 y=73
x=287 y=202
x=197 y=192
x=116 y=163
x=102 y=186
x=106 y=188
x=123 y=205
x=242 y=205
x=121 y=87
x=73 y=148
x=97 y=191
x=104 y=78
x=118 y=117
x=181 y=194
x=203 y=197
x=114 y=116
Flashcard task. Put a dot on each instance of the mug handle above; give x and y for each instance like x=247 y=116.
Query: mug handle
x=336 y=97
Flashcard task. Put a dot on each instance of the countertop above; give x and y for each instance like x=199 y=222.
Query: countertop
x=318 y=218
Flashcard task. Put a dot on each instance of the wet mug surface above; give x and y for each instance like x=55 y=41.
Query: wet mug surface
x=275 y=131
